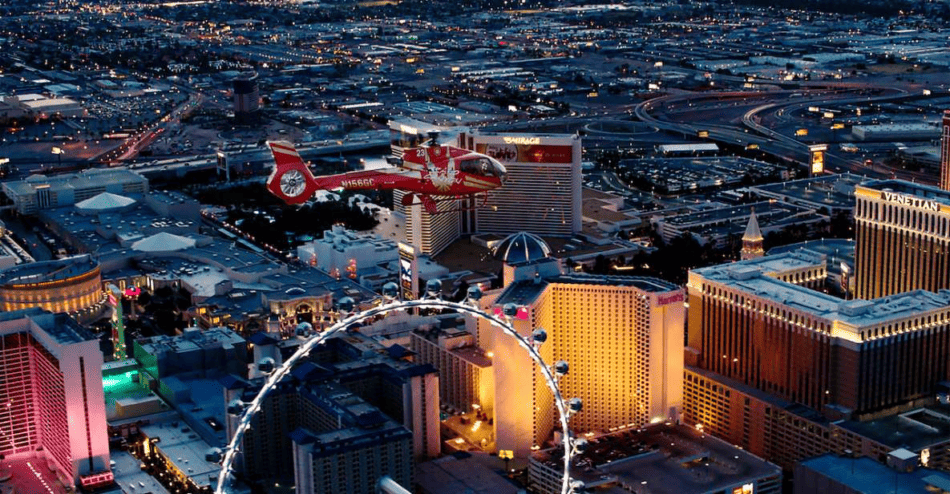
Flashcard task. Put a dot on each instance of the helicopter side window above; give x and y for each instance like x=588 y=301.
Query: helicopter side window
x=478 y=166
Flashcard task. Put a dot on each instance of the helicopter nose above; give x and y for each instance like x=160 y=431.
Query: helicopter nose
x=500 y=171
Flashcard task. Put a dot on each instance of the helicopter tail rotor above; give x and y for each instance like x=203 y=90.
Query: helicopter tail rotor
x=291 y=179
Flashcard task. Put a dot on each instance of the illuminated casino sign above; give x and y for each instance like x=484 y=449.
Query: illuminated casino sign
x=525 y=141
x=408 y=279
x=670 y=298
x=526 y=150
x=915 y=202
x=817 y=158
x=118 y=322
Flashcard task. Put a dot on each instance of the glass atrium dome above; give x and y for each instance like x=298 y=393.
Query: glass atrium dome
x=520 y=248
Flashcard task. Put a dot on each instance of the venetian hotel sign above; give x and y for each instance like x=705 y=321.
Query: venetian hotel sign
x=910 y=201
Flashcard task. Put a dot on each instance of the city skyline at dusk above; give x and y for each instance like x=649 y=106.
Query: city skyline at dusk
x=532 y=246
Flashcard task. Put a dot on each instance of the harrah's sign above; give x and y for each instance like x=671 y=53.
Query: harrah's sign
x=910 y=201
x=669 y=298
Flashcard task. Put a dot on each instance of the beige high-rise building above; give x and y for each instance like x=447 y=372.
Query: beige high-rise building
x=465 y=372
x=428 y=233
x=542 y=191
x=902 y=238
x=623 y=339
x=621 y=336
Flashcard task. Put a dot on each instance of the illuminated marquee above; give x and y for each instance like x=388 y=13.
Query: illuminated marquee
x=525 y=141
x=846 y=277
x=817 y=162
x=118 y=322
x=915 y=202
x=817 y=158
x=407 y=277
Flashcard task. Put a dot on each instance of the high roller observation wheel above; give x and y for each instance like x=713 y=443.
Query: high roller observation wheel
x=565 y=408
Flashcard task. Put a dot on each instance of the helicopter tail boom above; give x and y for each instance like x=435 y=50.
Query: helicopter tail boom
x=291 y=179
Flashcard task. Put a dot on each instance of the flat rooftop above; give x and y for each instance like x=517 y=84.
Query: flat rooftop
x=521 y=293
x=645 y=283
x=787 y=261
x=526 y=292
x=464 y=255
x=835 y=250
x=85 y=179
x=829 y=191
x=469 y=353
x=182 y=446
x=464 y=473
x=60 y=327
x=122 y=386
x=191 y=340
x=870 y=477
x=129 y=475
x=206 y=264
x=749 y=277
x=602 y=210
x=473 y=355
x=766 y=212
x=914 y=430
x=664 y=459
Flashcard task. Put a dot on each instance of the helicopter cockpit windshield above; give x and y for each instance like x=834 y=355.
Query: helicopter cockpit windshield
x=487 y=167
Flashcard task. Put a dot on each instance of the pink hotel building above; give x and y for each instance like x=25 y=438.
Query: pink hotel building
x=52 y=396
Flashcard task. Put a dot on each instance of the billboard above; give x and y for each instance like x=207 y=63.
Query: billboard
x=408 y=278
x=118 y=322
x=817 y=158
x=526 y=150
x=846 y=279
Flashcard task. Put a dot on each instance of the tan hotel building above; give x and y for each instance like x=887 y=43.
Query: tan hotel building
x=771 y=362
x=808 y=347
x=621 y=337
x=902 y=238
x=542 y=193
x=788 y=372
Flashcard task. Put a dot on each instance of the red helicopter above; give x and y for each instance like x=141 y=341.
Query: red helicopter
x=434 y=173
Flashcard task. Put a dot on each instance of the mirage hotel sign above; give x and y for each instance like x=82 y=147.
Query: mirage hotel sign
x=910 y=201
